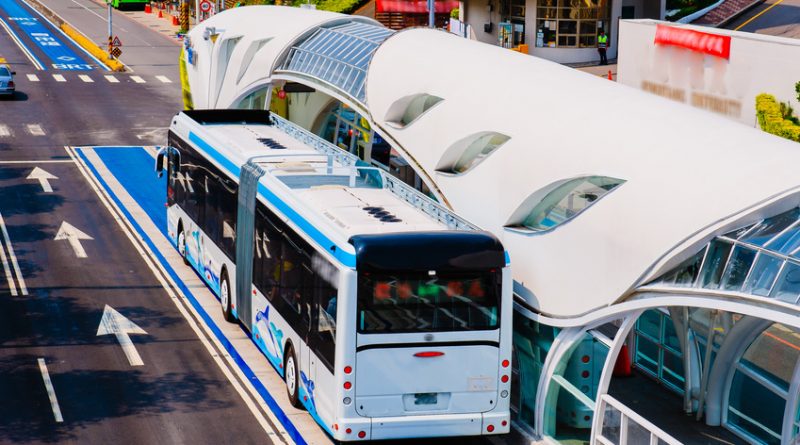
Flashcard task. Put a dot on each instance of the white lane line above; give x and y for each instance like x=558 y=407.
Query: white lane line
x=85 y=78
x=13 y=256
x=163 y=79
x=5 y=131
x=38 y=65
x=111 y=78
x=51 y=392
x=137 y=79
x=35 y=129
x=252 y=399
x=59 y=78
x=11 y=285
x=33 y=77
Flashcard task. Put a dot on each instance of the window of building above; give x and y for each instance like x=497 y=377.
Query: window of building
x=561 y=201
x=257 y=100
x=469 y=152
x=407 y=109
x=572 y=23
x=760 y=386
x=658 y=349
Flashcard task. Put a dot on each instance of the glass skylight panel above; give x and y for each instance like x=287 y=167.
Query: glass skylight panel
x=763 y=275
x=568 y=200
x=763 y=232
x=338 y=55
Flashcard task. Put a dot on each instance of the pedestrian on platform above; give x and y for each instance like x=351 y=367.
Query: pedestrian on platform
x=602 y=45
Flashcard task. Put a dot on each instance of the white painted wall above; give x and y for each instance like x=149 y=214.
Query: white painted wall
x=758 y=64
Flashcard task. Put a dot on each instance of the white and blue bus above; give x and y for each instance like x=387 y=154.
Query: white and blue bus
x=387 y=315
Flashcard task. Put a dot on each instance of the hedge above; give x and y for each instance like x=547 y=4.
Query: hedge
x=768 y=111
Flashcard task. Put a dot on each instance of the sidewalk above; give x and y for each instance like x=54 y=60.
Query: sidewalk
x=600 y=70
x=724 y=13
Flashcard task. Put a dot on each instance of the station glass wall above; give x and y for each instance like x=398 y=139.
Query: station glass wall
x=532 y=342
x=760 y=387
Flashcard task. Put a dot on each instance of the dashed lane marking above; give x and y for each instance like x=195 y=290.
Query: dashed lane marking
x=59 y=78
x=33 y=77
x=163 y=79
x=137 y=79
x=86 y=78
x=111 y=78
x=51 y=392
x=35 y=129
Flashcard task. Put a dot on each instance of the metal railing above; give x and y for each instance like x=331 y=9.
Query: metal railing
x=393 y=184
x=620 y=425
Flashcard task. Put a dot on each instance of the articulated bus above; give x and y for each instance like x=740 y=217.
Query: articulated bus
x=387 y=315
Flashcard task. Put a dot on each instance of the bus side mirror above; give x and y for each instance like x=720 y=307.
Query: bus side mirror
x=160 y=161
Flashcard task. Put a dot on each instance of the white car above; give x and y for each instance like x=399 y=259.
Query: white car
x=7 y=80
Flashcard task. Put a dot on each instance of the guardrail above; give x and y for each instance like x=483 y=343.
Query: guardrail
x=393 y=184
x=620 y=425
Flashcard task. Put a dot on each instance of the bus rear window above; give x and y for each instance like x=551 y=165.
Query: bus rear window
x=415 y=302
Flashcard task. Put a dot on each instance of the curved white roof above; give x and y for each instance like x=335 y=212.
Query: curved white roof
x=689 y=175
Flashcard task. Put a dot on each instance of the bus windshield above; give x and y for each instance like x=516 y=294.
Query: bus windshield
x=424 y=302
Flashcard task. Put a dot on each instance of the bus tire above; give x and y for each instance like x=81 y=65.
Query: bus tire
x=225 y=297
x=182 y=243
x=292 y=377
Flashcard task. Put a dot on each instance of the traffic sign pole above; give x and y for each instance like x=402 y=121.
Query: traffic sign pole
x=110 y=34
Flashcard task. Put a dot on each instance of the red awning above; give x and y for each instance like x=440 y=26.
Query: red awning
x=414 y=6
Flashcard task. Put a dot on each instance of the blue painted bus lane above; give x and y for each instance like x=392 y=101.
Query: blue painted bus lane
x=61 y=56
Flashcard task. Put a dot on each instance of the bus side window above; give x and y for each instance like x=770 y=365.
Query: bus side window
x=326 y=301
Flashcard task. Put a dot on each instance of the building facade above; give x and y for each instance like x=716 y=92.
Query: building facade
x=656 y=272
x=563 y=31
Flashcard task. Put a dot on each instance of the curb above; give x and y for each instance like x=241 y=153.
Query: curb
x=739 y=14
x=79 y=38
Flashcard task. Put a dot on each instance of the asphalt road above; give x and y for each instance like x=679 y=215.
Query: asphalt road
x=179 y=395
x=773 y=17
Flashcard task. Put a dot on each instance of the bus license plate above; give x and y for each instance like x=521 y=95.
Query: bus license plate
x=428 y=398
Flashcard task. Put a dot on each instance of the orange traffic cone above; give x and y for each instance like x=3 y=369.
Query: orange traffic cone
x=175 y=20
x=610 y=77
x=622 y=368
x=147 y=9
x=160 y=14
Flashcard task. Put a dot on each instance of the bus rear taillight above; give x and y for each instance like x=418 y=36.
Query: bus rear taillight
x=505 y=363
x=426 y=354
x=490 y=428
x=348 y=385
x=348 y=369
x=362 y=434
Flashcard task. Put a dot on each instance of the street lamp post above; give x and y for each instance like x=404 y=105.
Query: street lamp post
x=431 y=18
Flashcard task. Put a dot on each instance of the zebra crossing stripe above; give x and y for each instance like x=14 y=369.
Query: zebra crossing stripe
x=137 y=79
x=33 y=77
x=35 y=130
x=111 y=78
x=85 y=78
x=59 y=78
x=163 y=79
x=4 y=131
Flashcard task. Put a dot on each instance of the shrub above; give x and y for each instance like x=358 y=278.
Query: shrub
x=771 y=120
x=454 y=15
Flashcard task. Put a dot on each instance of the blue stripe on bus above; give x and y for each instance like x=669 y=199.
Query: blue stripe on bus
x=291 y=430
x=508 y=258
x=346 y=258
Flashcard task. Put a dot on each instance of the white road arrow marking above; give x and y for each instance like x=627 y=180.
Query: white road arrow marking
x=68 y=232
x=44 y=178
x=114 y=323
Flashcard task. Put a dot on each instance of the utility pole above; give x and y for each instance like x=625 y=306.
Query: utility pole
x=431 y=11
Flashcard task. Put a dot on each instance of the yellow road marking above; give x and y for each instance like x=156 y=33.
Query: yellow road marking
x=758 y=15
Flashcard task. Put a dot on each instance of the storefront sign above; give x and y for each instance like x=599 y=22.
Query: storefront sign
x=711 y=44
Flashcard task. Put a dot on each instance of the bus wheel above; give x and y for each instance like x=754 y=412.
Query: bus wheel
x=225 y=297
x=292 y=378
x=182 y=244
